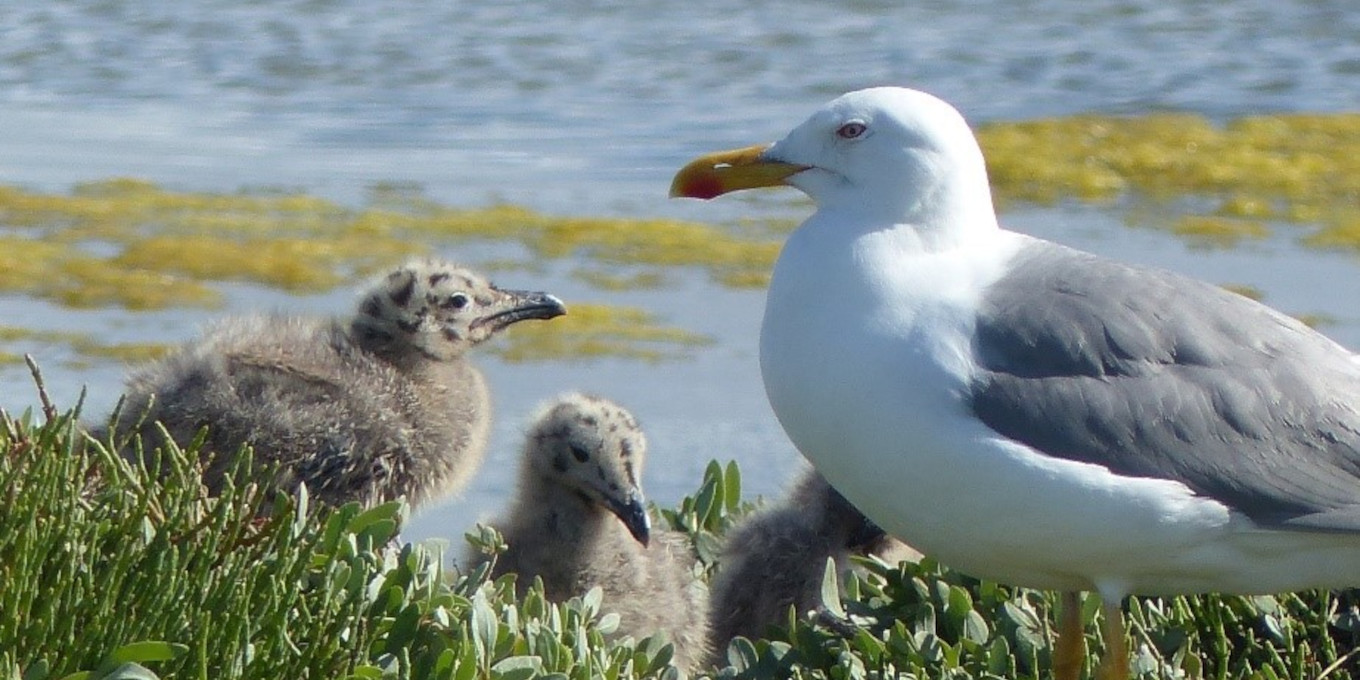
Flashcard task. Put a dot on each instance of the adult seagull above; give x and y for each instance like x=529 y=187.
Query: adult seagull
x=1031 y=413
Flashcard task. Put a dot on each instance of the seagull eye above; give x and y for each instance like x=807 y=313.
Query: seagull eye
x=851 y=130
x=456 y=301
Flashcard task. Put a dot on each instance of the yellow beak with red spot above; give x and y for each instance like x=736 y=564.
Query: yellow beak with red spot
x=718 y=173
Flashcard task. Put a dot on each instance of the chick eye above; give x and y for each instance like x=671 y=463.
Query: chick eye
x=579 y=453
x=456 y=301
x=851 y=130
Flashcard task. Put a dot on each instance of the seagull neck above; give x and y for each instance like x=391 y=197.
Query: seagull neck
x=934 y=222
x=914 y=232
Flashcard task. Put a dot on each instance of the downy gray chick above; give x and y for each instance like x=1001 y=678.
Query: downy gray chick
x=380 y=405
x=776 y=557
x=580 y=521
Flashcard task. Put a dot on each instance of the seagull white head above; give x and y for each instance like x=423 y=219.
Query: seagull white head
x=903 y=155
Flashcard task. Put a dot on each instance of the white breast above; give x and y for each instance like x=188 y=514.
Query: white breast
x=865 y=353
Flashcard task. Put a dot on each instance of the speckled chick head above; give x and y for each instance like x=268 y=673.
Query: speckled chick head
x=594 y=448
x=438 y=310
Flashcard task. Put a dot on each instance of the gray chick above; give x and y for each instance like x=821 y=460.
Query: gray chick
x=776 y=558
x=580 y=521
x=380 y=405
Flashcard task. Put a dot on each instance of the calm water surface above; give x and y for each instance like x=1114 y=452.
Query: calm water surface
x=584 y=108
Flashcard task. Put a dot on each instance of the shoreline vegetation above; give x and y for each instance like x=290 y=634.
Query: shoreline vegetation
x=107 y=571
x=110 y=572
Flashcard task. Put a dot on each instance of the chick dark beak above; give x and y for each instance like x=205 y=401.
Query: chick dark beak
x=633 y=513
x=520 y=305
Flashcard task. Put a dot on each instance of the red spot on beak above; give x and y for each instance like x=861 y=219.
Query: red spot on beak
x=703 y=187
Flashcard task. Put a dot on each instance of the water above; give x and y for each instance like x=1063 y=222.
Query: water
x=587 y=108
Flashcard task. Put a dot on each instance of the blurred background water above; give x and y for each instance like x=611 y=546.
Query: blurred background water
x=587 y=108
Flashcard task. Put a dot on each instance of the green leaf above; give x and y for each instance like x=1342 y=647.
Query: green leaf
x=975 y=627
x=732 y=490
x=483 y=625
x=1022 y=615
x=379 y=532
x=443 y=665
x=741 y=654
x=831 y=592
x=1091 y=605
x=138 y=652
x=130 y=670
x=592 y=599
x=1275 y=630
x=931 y=647
x=608 y=623
x=517 y=668
x=950 y=658
x=706 y=503
x=1266 y=604
x=300 y=516
x=1000 y=662
x=665 y=651
x=1193 y=666
x=959 y=605
x=38 y=670
x=925 y=620
x=713 y=471
x=390 y=511
x=404 y=628
x=467 y=663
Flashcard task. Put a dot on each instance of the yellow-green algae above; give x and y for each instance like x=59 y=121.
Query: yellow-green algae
x=302 y=243
x=70 y=277
x=1301 y=168
x=293 y=264
x=126 y=352
x=82 y=344
x=130 y=243
x=593 y=330
x=1343 y=233
x=729 y=258
x=1211 y=230
x=1294 y=167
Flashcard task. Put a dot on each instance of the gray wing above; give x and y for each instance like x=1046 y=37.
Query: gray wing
x=1152 y=374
